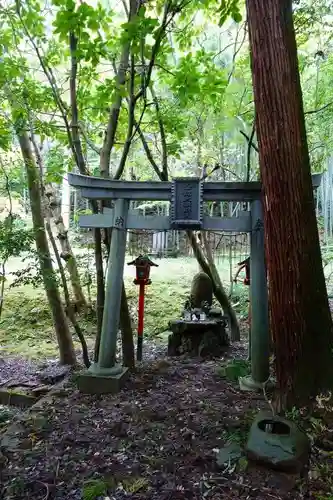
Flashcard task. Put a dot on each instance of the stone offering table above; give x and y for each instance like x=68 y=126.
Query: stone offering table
x=198 y=338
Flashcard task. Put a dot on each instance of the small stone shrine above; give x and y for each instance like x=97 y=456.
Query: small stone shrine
x=202 y=329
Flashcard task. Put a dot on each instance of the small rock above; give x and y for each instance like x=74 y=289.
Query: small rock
x=228 y=453
x=39 y=391
x=12 y=437
x=25 y=444
x=6 y=414
x=38 y=423
x=53 y=374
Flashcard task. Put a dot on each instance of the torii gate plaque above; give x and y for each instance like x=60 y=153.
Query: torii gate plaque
x=186 y=196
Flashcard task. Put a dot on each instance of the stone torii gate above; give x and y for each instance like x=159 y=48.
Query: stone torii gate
x=186 y=196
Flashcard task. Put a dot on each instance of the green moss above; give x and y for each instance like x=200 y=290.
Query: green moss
x=26 y=324
x=234 y=369
x=94 y=489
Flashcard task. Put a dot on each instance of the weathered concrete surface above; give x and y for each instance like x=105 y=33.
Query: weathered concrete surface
x=89 y=383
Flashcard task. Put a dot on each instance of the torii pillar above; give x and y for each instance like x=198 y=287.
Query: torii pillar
x=106 y=376
x=259 y=332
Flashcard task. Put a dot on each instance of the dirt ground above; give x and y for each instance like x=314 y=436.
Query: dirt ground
x=157 y=440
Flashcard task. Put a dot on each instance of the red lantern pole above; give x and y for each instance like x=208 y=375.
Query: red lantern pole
x=141 y=311
x=142 y=265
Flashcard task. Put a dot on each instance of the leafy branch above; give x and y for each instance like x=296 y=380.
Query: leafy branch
x=162 y=133
x=120 y=79
x=77 y=146
x=313 y=111
x=249 y=140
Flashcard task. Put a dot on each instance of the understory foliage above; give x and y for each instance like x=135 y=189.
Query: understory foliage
x=145 y=90
x=15 y=238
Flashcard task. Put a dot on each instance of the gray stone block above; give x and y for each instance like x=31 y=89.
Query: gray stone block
x=89 y=383
x=277 y=443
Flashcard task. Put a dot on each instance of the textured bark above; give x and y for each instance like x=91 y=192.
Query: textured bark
x=76 y=147
x=300 y=318
x=65 y=341
x=54 y=206
x=70 y=313
x=120 y=79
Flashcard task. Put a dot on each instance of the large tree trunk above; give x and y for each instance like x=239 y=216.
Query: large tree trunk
x=300 y=318
x=65 y=341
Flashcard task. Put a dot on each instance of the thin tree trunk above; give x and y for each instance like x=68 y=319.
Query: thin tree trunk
x=2 y=285
x=301 y=323
x=218 y=289
x=69 y=307
x=67 y=254
x=54 y=206
x=65 y=202
x=130 y=121
x=76 y=147
x=65 y=341
x=162 y=132
x=120 y=78
x=75 y=134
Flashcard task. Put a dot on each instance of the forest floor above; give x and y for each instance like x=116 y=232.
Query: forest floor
x=158 y=439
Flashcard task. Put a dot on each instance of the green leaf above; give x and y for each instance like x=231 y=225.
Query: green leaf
x=236 y=16
x=93 y=24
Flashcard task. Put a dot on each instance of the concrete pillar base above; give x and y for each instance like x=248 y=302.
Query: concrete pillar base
x=98 y=371
x=109 y=382
x=250 y=385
